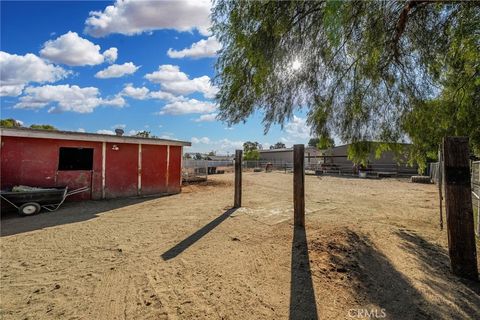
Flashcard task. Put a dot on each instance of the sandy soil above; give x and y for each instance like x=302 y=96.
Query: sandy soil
x=369 y=245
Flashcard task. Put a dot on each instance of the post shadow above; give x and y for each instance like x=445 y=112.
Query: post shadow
x=302 y=294
x=194 y=237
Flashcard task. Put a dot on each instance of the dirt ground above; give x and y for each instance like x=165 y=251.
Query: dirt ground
x=371 y=249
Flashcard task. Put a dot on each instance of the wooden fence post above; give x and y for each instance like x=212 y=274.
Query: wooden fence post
x=458 y=205
x=298 y=185
x=238 y=179
x=440 y=178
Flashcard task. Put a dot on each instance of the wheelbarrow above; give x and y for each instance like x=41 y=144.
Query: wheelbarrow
x=30 y=202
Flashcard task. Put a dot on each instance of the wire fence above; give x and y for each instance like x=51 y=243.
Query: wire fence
x=436 y=173
x=194 y=170
x=476 y=192
x=198 y=170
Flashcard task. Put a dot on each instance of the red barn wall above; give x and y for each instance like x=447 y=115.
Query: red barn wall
x=34 y=162
x=175 y=169
x=121 y=170
x=154 y=169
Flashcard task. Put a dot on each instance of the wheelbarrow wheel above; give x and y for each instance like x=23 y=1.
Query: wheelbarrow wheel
x=29 y=209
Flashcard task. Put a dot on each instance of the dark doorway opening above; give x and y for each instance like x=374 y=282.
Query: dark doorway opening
x=75 y=159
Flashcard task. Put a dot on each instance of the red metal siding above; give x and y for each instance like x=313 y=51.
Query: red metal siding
x=175 y=169
x=121 y=170
x=34 y=162
x=154 y=169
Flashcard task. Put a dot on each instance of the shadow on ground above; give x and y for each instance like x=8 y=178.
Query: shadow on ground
x=70 y=212
x=194 y=237
x=375 y=284
x=302 y=294
x=461 y=297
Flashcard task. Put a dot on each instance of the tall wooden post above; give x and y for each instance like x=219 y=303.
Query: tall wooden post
x=440 y=178
x=298 y=185
x=458 y=205
x=238 y=179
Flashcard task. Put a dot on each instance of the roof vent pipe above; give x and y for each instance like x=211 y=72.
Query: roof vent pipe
x=119 y=132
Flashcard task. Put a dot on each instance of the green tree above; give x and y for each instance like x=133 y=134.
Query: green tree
x=278 y=145
x=325 y=142
x=43 y=127
x=10 y=123
x=145 y=134
x=360 y=68
x=251 y=155
x=313 y=142
x=211 y=153
x=250 y=146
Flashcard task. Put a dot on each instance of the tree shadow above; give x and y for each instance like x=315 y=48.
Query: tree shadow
x=190 y=240
x=430 y=291
x=69 y=212
x=302 y=293
x=461 y=296
x=381 y=285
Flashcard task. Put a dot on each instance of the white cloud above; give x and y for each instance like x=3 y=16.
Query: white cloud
x=204 y=140
x=162 y=95
x=132 y=132
x=81 y=130
x=177 y=82
x=297 y=131
x=201 y=49
x=117 y=70
x=73 y=50
x=206 y=117
x=222 y=146
x=133 y=17
x=136 y=93
x=103 y=131
x=17 y=71
x=65 y=98
x=111 y=54
x=188 y=106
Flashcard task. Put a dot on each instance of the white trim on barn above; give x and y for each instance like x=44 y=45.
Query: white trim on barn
x=81 y=136
x=104 y=157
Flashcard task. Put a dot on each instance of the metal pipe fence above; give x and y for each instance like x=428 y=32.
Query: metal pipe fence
x=194 y=170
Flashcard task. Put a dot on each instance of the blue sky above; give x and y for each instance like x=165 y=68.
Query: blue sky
x=95 y=66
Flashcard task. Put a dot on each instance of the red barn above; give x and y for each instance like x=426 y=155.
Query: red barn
x=112 y=166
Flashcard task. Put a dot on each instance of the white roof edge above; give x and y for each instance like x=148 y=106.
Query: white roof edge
x=81 y=136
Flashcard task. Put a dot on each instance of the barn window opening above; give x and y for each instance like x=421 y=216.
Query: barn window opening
x=75 y=159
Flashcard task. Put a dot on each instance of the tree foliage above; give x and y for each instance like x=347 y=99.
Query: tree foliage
x=250 y=150
x=364 y=70
x=278 y=145
x=10 y=123
x=251 y=155
x=145 y=134
x=250 y=146
x=313 y=142
x=43 y=127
